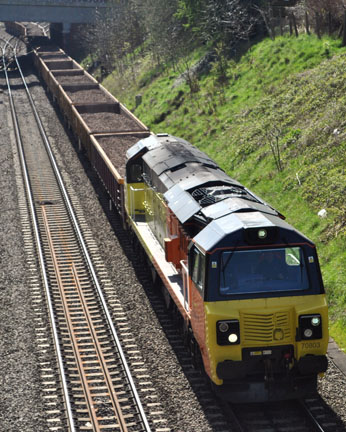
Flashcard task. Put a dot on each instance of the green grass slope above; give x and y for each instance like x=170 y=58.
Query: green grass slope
x=278 y=125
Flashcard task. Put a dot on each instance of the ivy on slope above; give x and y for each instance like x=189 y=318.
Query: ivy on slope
x=307 y=116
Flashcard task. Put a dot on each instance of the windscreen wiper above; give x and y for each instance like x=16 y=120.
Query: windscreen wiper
x=224 y=265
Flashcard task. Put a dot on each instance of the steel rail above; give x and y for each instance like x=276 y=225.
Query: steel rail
x=3 y=48
x=313 y=420
x=241 y=423
x=70 y=418
x=86 y=254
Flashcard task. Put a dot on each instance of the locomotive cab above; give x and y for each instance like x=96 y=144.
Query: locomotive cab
x=265 y=314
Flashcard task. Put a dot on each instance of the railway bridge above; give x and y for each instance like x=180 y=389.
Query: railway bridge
x=66 y=12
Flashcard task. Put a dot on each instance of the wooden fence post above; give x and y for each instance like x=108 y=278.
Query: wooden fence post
x=344 y=31
x=341 y=29
x=318 y=29
x=295 y=24
x=271 y=23
x=307 y=25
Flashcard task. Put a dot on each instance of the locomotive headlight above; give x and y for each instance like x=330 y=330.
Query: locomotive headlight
x=316 y=321
x=228 y=332
x=223 y=326
x=308 y=333
x=233 y=338
x=262 y=234
x=310 y=327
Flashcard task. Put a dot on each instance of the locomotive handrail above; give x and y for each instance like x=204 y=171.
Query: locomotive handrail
x=185 y=276
x=137 y=190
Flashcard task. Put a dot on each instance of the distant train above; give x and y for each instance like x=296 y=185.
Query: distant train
x=245 y=284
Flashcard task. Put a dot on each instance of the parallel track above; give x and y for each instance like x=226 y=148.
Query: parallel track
x=99 y=392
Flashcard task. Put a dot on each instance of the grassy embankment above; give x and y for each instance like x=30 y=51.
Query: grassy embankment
x=290 y=93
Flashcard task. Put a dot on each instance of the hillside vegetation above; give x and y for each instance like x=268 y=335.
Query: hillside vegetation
x=276 y=122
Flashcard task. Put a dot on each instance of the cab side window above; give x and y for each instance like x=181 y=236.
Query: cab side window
x=198 y=269
x=135 y=173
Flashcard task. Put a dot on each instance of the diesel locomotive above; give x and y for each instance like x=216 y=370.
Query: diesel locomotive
x=246 y=284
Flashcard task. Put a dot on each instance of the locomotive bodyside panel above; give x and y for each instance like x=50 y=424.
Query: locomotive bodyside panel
x=171 y=278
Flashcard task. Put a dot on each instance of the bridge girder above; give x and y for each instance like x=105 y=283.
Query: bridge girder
x=53 y=11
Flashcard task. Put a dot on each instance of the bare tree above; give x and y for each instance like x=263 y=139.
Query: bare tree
x=266 y=13
x=228 y=21
x=164 y=31
x=118 y=31
x=329 y=12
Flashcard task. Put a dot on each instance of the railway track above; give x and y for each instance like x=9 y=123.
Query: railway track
x=96 y=386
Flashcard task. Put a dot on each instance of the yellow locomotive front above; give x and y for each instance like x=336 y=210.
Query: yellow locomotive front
x=263 y=327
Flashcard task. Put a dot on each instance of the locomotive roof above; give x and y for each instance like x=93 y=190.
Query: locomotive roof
x=172 y=154
x=175 y=161
x=211 y=236
x=192 y=182
x=232 y=205
x=192 y=175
